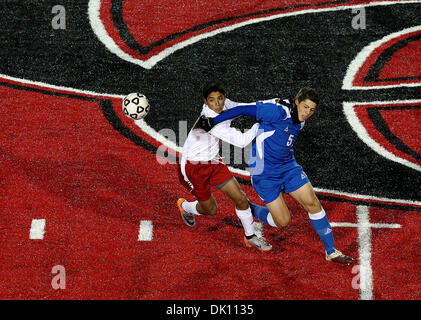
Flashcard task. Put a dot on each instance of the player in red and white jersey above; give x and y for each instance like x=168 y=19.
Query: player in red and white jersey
x=202 y=146
x=201 y=166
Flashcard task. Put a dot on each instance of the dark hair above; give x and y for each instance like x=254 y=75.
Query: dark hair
x=213 y=86
x=308 y=93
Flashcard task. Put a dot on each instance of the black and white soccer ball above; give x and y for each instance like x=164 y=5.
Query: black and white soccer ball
x=136 y=106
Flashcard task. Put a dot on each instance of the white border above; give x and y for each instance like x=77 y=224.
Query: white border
x=363 y=55
x=43 y=85
x=362 y=133
x=97 y=26
x=368 y=198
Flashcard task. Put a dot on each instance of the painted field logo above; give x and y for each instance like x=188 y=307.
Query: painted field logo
x=112 y=205
x=393 y=61
x=130 y=31
x=389 y=128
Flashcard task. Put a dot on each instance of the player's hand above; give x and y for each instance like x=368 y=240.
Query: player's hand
x=206 y=123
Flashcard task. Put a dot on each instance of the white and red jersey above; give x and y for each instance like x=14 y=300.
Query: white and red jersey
x=204 y=146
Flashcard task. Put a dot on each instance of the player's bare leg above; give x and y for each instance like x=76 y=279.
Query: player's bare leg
x=208 y=207
x=306 y=196
x=233 y=190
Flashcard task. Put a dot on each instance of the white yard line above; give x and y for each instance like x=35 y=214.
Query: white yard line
x=37 y=229
x=364 y=241
x=145 y=230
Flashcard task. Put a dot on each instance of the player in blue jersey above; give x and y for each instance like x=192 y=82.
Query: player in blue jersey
x=273 y=167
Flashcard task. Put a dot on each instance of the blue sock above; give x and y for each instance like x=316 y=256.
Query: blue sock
x=262 y=214
x=324 y=230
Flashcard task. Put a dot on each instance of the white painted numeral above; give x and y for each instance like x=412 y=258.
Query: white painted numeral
x=289 y=142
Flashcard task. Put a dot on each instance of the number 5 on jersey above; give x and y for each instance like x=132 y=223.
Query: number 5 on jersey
x=290 y=139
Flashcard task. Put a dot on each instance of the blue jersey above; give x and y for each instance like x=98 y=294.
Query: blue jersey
x=272 y=163
x=273 y=148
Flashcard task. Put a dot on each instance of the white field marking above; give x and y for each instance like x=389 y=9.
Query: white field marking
x=145 y=230
x=42 y=85
x=364 y=242
x=372 y=225
x=37 y=229
x=362 y=133
x=170 y=144
x=369 y=198
x=157 y=136
x=101 y=33
x=362 y=56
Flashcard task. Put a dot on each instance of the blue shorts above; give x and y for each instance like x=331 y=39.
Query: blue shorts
x=269 y=187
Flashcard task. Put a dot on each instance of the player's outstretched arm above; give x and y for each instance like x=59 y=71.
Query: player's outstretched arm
x=236 y=137
x=245 y=110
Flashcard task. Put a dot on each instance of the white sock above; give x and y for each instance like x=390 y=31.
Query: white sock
x=246 y=219
x=270 y=220
x=190 y=207
x=317 y=216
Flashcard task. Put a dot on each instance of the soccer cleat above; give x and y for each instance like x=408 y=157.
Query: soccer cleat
x=339 y=257
x=259 y=243
x=187 y=217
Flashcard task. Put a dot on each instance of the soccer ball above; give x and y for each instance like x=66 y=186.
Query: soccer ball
x=136 y=106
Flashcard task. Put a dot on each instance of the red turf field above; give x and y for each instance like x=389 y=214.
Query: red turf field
x=93 y=187
x=78 y=195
